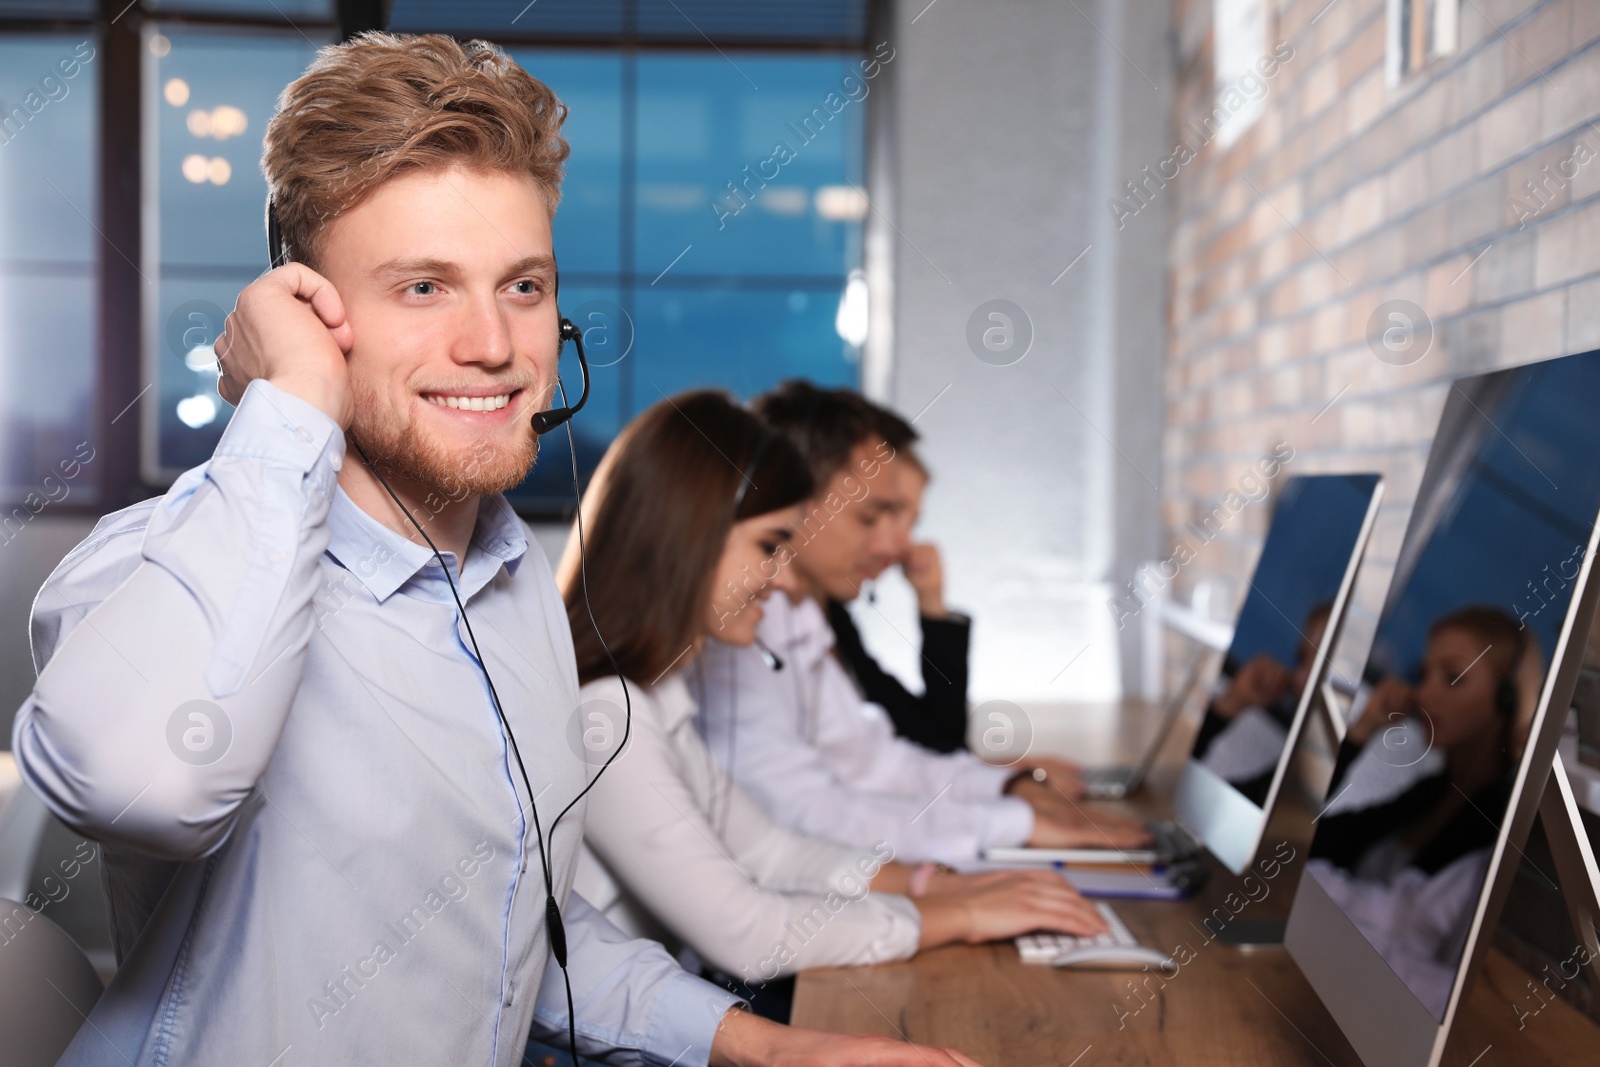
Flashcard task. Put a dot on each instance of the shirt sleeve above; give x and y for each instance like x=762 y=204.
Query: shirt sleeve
x=936 y=718
x=171 y=643
x=635 y=1006
x=789 y=776
x=734 y=887
x=859 y=743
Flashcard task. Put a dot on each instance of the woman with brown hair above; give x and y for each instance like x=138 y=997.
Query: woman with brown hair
x=687 y=524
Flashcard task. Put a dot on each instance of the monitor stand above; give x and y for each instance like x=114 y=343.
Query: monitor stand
x=1575 y=862
x=1575 y=867
x=1266 y=934
x=1254 y=935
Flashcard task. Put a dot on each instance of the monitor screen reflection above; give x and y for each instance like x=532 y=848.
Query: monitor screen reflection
x=1316 y=526
x=1441 y=722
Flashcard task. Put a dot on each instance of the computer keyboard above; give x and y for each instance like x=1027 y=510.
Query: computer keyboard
x=1047 y=947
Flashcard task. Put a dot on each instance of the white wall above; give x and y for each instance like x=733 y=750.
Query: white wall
x=1011 y=124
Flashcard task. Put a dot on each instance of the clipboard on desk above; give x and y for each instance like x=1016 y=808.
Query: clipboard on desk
x=1130 y=881
x=1178 y=882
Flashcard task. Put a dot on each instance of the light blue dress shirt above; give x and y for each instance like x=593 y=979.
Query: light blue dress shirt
x=317 y=846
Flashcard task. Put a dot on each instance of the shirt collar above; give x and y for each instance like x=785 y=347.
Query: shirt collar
x=383 y=561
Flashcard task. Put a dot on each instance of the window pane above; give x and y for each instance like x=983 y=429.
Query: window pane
x=838 y=23
x=215 y=92
x=56 y=9
x=743 y=180
x=320 y=10
x=48 y=265
x=816 y=21
x=742 y=340
x=547 y=19
x=588 y=222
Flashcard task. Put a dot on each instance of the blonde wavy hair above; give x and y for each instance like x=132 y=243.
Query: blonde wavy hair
x=382 y=104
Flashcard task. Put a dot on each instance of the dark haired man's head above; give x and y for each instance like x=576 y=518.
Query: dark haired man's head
x=826 y=425
x=869 y=484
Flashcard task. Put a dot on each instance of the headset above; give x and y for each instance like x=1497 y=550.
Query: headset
x=543 y=423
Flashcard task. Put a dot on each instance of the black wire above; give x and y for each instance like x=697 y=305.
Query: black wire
x=552 y=912
x=583 y=575
x=482 y=666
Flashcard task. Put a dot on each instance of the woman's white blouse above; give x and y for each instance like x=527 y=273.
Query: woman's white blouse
x=674 y=849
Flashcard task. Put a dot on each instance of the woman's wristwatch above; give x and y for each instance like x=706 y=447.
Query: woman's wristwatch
x=1038 y=774
x=922 y=877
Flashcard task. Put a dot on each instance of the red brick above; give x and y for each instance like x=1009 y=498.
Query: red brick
x=1510 y=127
x=1478 y=81
x=1538 y=43
x=1534 y=329
x=1570 y=93
x=1583 y=316
x=1568 y=246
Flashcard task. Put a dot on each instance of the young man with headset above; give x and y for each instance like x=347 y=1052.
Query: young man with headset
x=347 y=835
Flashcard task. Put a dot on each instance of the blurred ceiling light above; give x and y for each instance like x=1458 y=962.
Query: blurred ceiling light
x=219 y=170
x=195 y=168
x=159 y=45
x=176 y=92
x=841 y=203
x=222 y=122
x=201 y=358
x=851 y=320
x=197 y=411
x=227 y=121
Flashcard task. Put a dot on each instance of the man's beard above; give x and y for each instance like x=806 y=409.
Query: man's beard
x=396 y=447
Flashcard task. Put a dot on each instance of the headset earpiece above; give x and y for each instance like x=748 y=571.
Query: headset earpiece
x=277 y=254
x=1505 y=697
x=545 y=421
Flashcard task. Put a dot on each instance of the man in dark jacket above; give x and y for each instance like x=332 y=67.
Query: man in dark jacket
x=828 y=426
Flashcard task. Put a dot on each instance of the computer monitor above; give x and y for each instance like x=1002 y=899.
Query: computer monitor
x=1449 y=747
x=1290 y=620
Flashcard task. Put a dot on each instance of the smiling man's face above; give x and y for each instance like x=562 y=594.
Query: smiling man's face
x=448 y=280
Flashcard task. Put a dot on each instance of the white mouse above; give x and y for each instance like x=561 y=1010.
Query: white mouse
x=1114 y=957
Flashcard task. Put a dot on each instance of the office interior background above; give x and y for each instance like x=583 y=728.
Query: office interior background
x=1112 y=257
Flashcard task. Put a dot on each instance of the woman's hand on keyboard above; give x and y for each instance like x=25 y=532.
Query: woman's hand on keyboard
x=999 y=906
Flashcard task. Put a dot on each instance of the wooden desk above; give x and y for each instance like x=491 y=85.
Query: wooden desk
x=1223 y=1007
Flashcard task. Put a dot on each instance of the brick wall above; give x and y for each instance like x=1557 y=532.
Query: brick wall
x=1348 y=193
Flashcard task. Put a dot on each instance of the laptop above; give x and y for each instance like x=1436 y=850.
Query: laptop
x=1114 y=783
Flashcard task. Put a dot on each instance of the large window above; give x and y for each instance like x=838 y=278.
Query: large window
x=49 y=252
x=693 y=252
x=208 y=93
x=710 y=226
